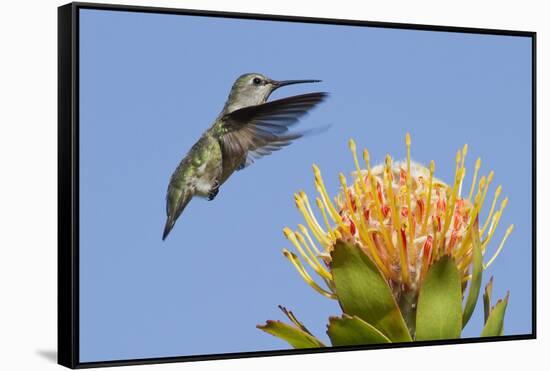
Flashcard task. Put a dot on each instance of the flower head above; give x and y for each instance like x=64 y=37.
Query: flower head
x=401 y=216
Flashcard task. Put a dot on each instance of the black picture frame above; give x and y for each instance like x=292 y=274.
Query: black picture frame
x=68 y=180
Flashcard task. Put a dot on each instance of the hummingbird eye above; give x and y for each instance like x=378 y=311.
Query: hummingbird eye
x=257 y=81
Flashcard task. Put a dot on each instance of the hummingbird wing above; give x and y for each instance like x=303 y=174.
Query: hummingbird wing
x=256 y=131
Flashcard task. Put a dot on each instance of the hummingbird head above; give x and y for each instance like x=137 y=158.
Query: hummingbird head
x=252 y=89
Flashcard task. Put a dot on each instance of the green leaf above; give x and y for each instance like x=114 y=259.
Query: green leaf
x=475 y=283
x=363 y=291
x=347 y=330
x=487 y=300
x=439 y=312
x=296 y=337
x=494 y=325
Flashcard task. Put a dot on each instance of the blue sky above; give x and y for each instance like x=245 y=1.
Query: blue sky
x=150 y=84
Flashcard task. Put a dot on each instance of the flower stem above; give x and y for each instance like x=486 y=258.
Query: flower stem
x=407 y=304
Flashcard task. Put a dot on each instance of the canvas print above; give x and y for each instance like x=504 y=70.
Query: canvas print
x=252 y=185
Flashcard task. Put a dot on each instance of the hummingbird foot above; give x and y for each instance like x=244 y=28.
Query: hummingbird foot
x=214 y=191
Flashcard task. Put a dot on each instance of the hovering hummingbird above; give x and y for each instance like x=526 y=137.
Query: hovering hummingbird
x=247 y=128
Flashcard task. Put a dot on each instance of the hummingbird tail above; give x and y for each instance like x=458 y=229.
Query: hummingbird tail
x=168 y=227
x=175 y=213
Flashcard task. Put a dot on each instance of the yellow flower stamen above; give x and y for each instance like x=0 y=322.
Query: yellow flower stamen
x=357 y=166
x=305 y=201
x=435 y=250
x=321 y=207
x=429 y=197
x=358 y=223
x=320 y=185
x=344 y=185
x=508 y=232
x=358 y=195
x=408 y=190
x=311 y=221
x=377 y=205
x=306 y=277
x=474 y=179
x=349 y=205
x=366 y=237
x=388 y=185
x=311 y=258
x=466 y=259
x=494 y=224
x=449 y=212
x=293 y=238
x=474 y=213
x=311 y=242
x=489 y=181
x=463 y=169
x=493 y=204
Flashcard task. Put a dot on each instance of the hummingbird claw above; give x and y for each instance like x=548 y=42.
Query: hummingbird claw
x=214 y=191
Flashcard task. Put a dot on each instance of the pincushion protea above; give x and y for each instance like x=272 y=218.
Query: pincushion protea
x=404 y=224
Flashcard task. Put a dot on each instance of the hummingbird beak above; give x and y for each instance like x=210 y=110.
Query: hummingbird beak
x=278 y=84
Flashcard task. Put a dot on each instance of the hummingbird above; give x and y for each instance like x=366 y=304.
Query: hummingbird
x=247 y=128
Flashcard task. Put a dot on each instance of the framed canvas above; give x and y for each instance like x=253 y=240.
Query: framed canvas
x=237 y=185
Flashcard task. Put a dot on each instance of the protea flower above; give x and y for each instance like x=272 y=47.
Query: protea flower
x=397 y=247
